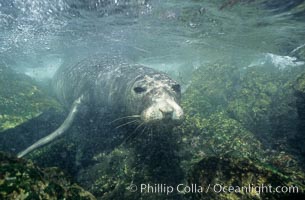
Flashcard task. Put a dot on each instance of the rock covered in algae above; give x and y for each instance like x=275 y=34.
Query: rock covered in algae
x=232 y=110
x=222 y=137
x=21 y=179
x=255 y=101
x=245 y=178
x=260 y=98
x=299 y=87
x=217 y=135
x=147 y=159
x=110 y=176
x=21 y=99
x=232 y=117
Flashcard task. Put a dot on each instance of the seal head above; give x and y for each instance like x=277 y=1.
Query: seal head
x=156 y=97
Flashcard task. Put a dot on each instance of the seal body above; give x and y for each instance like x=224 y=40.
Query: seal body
x=125 y=89
x=133 y=92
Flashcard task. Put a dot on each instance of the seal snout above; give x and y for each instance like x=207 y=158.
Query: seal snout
x=167 y=111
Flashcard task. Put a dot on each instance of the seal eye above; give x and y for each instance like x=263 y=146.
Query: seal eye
x=176 y=88
x=139 y=90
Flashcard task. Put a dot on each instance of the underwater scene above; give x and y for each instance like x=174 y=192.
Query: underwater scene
x=152 y=99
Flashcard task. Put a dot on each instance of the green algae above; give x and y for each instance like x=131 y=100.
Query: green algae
x=299 y=84
x=237 y=173
x=21 y=99
x=219 y=136
x=21 y=179
x=230 y=114
x=253 y=96
x=111 y=175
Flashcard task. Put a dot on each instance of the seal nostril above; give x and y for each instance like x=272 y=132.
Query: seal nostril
x=166 y=114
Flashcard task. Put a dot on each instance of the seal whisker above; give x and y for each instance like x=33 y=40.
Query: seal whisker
x=126 y=117
x=126 y=124
x=150 y=135
x=138 y=127
x=139 y=134
x=143 y=130
x=134 y=132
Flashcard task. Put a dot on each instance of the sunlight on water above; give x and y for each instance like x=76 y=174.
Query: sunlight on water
x=151 y=32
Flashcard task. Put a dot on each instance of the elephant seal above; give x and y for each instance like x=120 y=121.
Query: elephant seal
x=130 y=91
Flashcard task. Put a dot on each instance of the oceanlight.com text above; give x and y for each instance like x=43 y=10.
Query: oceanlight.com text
x=216 y=188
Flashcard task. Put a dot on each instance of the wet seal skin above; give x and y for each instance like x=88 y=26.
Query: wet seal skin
x=130 y=91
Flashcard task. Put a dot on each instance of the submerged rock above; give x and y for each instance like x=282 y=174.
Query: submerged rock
x=217 y=135
x=149 y=158
x=299 y=85
x=299 y=88
x=109 y=177
x=258 y=100
x=238 y=178
x=237 y=119
x=21 y=179
x=242 y=111
x=21 y=99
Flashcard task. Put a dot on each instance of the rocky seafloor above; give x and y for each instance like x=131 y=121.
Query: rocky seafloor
x=21 y=179
x=242 y=126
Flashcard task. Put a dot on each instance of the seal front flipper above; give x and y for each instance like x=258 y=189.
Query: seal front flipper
x=59 y=131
